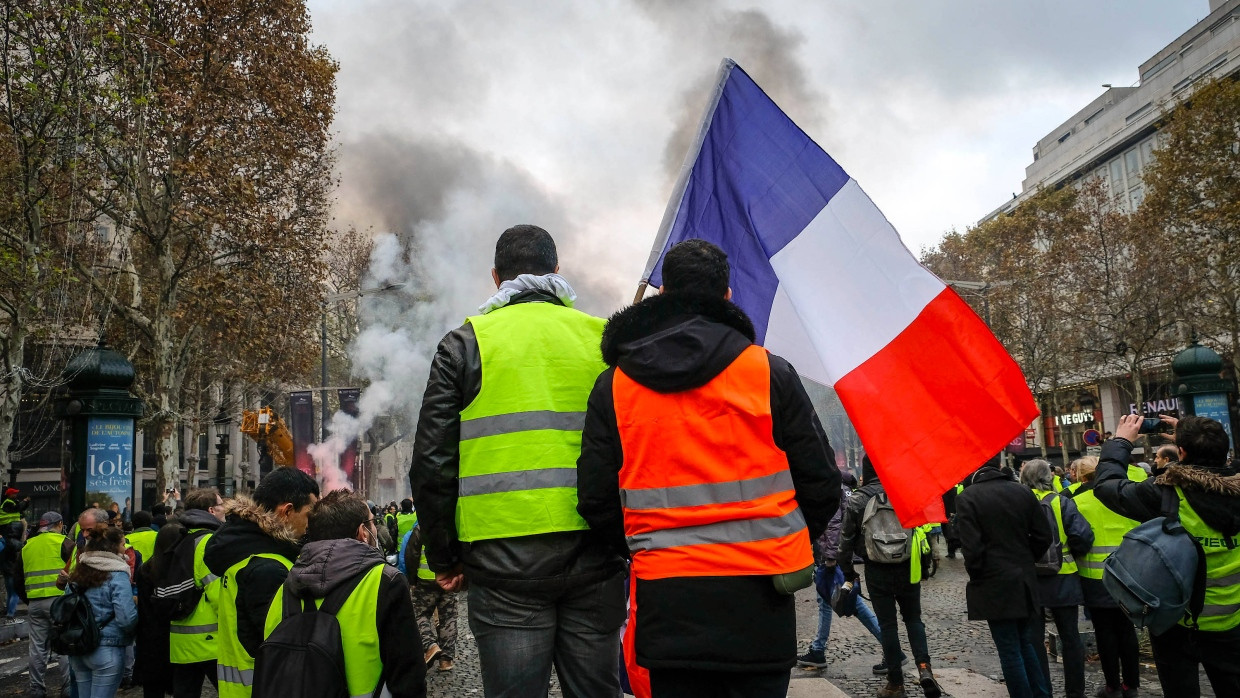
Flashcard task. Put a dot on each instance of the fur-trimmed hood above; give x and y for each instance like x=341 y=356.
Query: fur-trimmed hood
x=248 y=530
x=676 y=341
x=1214 y=496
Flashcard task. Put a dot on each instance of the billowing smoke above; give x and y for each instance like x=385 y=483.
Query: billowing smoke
x=445 y=206
x=440 y=167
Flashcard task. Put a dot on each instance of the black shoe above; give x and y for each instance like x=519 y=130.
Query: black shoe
x=881 y=667
x=928 y=685
x=813 y=658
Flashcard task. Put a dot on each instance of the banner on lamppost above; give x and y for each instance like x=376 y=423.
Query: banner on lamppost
x=301 y=423
x=348 y=460
x=109 y=461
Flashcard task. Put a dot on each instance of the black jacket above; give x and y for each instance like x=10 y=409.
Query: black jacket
x=249 y=530
x=1214 y=493
x=547 y=561
x=327 y=564
x=1002 y=532
x=675 y=342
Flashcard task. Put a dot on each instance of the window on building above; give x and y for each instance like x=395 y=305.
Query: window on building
x=1139 y=113
x=1092 y=117
x=1147 y=152
x=1117 y=177
x=1132 y=163
x=1064 y=137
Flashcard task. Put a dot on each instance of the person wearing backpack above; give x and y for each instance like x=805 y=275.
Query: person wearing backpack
x=101 y=576
x=893 y=570
x=38 y=566
x=194 y=591
x=153 y=668
x=1059 y=587
x=1003 y=532
x=1207 y=490
x=1118 y=646
x=252 y=553
x=364 y=621
x=826 y=547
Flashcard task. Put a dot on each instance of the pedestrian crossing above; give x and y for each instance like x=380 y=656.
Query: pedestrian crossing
x=957 y=683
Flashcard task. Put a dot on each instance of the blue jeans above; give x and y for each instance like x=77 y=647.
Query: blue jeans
x=98 y=674
x=1015 y=642
x=520 y=635
x=864 y=614
x=14 y=599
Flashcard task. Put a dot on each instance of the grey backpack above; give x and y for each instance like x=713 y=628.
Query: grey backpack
x=1052 y=560
x=1157 y=576
x=886 y=540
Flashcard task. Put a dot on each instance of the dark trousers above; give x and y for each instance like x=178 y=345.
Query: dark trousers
x=520 y=635
x=689 y=683
x=1117 y=647
x=187 y=678
x=1070 y=648
x=889 y=587
x=1014 y=643
x=1178 y=651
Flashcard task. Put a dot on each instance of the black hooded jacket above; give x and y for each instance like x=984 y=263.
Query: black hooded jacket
x=545 y=562
x=1214 y=493
x=249 y=530
x=675 y=342
x=327 y=564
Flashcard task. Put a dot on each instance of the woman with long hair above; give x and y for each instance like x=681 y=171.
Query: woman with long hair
x=102 y=577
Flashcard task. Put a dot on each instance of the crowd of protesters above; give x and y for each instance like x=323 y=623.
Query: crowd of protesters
x=601 y=491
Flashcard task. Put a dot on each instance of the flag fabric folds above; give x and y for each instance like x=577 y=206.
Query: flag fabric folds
x=830 y=286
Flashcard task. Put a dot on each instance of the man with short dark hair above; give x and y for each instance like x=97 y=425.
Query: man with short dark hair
x=406 y=519
x=702 y=457
x=494 y=476
x=376 y=616
x=142 y=537
x=1208 y=490
x=1166 y=456
x=252 y=553
x=38 y=566
x=192 y=640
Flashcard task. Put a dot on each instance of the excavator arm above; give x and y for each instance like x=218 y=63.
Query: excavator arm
x=271 y=433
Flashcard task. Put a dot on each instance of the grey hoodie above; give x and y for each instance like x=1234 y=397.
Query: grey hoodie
x=326 y=564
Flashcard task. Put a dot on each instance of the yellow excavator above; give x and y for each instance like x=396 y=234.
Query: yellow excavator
x=275 y=443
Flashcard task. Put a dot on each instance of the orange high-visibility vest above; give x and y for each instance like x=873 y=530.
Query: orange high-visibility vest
x=705 y=490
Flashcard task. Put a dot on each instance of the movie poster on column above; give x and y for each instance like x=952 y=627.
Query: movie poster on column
x=348 y=460
x=301 y=423
x=109 y=461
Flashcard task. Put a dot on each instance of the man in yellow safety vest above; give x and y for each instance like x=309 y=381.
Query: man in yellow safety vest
x=494 y=474
x=252 y=553
x=1208 y=489
x=38 y=565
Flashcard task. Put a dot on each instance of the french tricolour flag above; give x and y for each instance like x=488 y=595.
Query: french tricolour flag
x=830 y=286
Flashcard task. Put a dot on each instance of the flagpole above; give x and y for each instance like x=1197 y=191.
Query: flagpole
x=682 y=181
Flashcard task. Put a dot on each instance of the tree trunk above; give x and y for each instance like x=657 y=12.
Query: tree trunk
x=12 y=347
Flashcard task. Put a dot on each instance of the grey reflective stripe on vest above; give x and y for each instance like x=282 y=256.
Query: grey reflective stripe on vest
x=1224 y=581
x=521 y=421
x=1220 y=609
x=721 y=532
x=707 y=493
x=518 y=480
x=42 y=573
x=209 y=578
x=232 y=674
x=192 y=629
x=40 y=585
x=1098 y=549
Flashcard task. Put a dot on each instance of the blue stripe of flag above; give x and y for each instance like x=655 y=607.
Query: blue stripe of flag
x=757 y=183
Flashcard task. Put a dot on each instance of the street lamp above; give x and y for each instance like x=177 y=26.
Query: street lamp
x=221 y=452
x=329 y=300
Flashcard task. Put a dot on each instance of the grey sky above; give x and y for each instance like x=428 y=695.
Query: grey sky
x=458 y=118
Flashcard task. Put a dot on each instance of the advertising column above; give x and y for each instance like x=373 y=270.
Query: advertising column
x=109 y=461
x=301 y=418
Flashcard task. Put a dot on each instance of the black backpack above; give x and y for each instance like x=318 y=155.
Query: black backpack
x=177 y=593
x=74 y=631
x=304 y=655
x=1052 y=560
